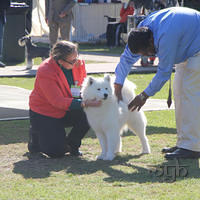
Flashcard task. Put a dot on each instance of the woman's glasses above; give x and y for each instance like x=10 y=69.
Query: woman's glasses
x=73 y=61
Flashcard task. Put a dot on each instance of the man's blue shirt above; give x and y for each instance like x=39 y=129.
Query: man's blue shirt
x=176 y=33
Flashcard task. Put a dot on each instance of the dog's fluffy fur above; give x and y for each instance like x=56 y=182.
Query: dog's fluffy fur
x=109 y=120
x=32 y=50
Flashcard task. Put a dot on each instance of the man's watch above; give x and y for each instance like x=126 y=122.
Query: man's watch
x=143 y=97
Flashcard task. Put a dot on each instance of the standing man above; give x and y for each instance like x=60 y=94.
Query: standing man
x=59 y=15
x=174 y=35
x=4 y=4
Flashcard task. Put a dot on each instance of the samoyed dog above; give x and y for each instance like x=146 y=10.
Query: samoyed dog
x=110 y=119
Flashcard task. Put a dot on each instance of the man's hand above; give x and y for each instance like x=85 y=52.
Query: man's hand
x=138 y=102
x=118 y=91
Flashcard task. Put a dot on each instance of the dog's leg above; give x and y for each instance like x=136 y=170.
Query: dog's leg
x=113 y=142
x=119 y=145
x=102 y=141
x=137 y=123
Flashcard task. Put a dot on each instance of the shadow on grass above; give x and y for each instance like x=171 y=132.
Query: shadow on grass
x=38 y=167
x=159 y=130
x=17 y=131
x=176 y=170
x=150 y=131
x=155 y=130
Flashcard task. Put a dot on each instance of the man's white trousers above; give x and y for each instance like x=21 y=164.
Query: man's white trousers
x=186 y=89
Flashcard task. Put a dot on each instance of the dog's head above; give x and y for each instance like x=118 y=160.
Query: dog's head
x=97 y=88
x=24 y=40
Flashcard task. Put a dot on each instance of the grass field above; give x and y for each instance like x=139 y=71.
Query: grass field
x=131 y=176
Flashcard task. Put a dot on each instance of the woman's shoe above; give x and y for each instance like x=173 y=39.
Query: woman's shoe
x=76 y=153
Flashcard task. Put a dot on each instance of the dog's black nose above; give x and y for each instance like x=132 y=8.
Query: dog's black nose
x=105 y=96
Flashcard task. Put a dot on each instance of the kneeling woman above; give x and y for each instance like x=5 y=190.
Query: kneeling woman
x=55 y=103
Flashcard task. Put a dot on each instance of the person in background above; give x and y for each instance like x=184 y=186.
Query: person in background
x=4 y=5
x=114 y=29
x=58 y=16
x=163 y=33
x=127 y=9
x=55 y=103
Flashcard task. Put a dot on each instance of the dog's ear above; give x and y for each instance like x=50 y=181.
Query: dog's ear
x=90 y=81
x=107 y=77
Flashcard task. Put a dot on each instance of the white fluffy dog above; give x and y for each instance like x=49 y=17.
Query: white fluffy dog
x=111 y=118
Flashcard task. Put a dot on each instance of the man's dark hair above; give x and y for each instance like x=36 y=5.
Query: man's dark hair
x=139 y=39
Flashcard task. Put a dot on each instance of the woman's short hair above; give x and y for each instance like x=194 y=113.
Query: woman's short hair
x=62 y=49
x=139 y=39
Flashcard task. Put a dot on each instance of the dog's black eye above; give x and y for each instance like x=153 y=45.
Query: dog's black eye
x=106 y=88
x=99 y=89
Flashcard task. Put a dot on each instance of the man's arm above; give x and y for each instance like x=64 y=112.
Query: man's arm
x=168 y=48
x=68 y=6
x=166 y=53
x=123 y=68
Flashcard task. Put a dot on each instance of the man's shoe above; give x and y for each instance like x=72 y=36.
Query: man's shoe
x=169 y=149
x=2 y=64
x=183 y=153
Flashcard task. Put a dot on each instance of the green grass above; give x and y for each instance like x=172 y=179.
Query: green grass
x=37 y=61
x=100 y=48
x=95 y=48
x=129 y=176
x=26 y=83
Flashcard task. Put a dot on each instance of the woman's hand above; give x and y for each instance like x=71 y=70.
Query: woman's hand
x=91 y=103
